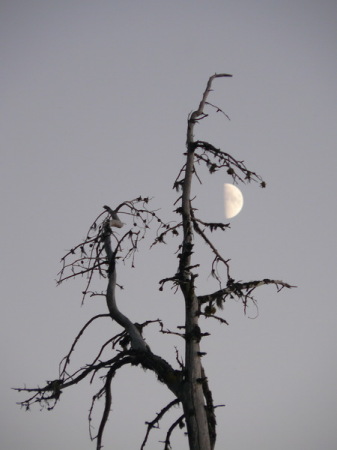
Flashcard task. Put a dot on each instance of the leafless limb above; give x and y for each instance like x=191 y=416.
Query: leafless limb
x=218 y=257
x=217 y=109
x=179 y=422
x=65 y=361
x=240 y=290
x=209 y=408
x=170 y=229
x=88 y=257
x=108 y=400
x=154 y=423
x=166 y=331
x=212 y=316
x=179 y=360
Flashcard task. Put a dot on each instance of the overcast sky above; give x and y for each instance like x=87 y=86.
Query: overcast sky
x=94 y=102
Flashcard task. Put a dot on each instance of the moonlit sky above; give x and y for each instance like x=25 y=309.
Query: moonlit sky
x=94 y=102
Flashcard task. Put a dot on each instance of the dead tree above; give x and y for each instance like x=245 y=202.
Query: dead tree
x=98 y=255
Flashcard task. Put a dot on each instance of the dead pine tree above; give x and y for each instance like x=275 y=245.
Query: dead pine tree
x=98 y=256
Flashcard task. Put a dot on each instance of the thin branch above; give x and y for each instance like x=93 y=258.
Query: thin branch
x=66 y=359
x=218 y=257
x=216 y=159
x=107 y=406
x=212 y=316
x=154 y=423
x=179 y=422
x=241 y=290
x=173 y=229
x=200 y=109
x=218 y=109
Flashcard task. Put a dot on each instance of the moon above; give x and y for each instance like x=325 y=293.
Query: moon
x=233 y=200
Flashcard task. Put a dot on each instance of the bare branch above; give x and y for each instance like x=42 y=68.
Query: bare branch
x=66 y=359
x=208 y=89
x=218 y=109
x=216 y=159
x=155 y=421
x=241 y=290
x=170 y=229
x=209 y=408
x=218 y=257
x=179 y=422
x=212 y=316
x=107 y=406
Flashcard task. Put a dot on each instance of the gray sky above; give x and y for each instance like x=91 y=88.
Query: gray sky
x=94 y=101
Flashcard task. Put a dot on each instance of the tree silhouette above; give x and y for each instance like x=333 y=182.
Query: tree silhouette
x=99 y=254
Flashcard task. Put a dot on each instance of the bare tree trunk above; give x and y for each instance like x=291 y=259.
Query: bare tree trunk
x=193 y=395
x=193 y=398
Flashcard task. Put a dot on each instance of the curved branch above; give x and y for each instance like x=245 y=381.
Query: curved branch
x=179 y=421
x=107 y=406
x=215 y=159
x=66 y=359
x=154 y=422
x=200 y=110
x=137 y=341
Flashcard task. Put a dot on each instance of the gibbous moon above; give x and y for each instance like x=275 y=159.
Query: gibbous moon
x=233 y=200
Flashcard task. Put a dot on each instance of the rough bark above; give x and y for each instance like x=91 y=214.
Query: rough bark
x=193 y=396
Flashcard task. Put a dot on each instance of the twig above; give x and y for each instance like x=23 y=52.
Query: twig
x=155 y=421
